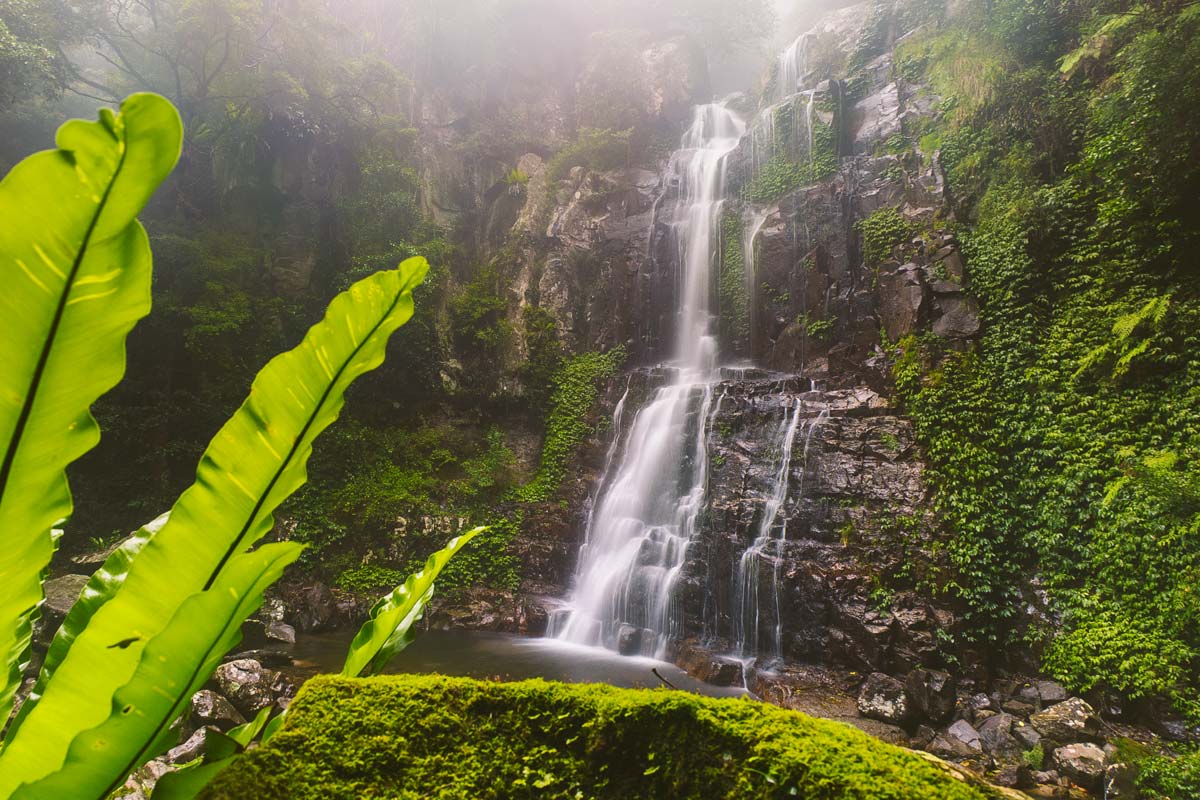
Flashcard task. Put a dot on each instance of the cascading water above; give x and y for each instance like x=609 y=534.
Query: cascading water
x=645 y=517
x=793 y=64
x=749 y=632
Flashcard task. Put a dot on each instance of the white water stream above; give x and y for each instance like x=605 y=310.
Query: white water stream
x=645 y=518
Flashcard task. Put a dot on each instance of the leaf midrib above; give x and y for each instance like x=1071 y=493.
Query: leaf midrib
x=31 y=395
x=333 y=382
x=299 y=440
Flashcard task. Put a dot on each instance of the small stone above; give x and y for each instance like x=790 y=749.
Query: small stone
x=210 y=709
x=883 y=698
x=962 y=731
x=1051 y=692
x=1012 y=776
x=1026 y=734
x=190 y=750
x=1019 y=707
x=281 y=632
x=1083 y=763
x=995 y=734
x=1069 y=721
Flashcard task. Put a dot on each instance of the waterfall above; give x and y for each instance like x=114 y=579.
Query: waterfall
x=646 y=514
x=793 y=64
x=748 y=611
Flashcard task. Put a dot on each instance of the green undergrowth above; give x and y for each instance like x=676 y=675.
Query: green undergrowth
x=576 y=389
x=436 y=737
x=1066 y=445
x=794 y=166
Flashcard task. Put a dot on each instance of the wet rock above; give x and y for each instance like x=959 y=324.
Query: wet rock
x=1026 y=734
x=704 y=665
x=957 y=316
x=281 y=632
x=1070 y=721
x=1018 y=706
x=996 y=736
x=61 y=594
x=964 y=733
x=1012 y=776
x=902 y=296
x=190 y=750
x=1120 y=782
x=276 y=659
x=250 y=686
x=1050 y=692
x=933 y=693
x=1084 y=763
x=141 y=783
x=883 y=698
x=210 y=709
x=629 y=640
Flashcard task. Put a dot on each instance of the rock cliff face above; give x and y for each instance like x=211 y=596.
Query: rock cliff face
x=817 y=317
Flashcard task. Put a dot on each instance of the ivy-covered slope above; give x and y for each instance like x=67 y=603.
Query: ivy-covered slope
x=1065 y=449
x=436 y=737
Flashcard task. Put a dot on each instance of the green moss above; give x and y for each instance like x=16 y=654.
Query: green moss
x=434 y=737
x=733 y=289
x=576 y=389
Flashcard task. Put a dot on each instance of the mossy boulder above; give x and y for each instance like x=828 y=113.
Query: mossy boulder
x=436 y=737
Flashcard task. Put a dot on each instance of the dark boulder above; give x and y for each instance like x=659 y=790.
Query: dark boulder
x=210 y=709
x=933 y=693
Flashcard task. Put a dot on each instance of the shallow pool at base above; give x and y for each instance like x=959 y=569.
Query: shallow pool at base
x=503 y=656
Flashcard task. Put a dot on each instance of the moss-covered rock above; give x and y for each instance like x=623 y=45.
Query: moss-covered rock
x=436 y=737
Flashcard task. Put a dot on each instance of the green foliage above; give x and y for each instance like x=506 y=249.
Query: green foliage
x=77 y=266
x=368 y=578
x=516 y=177
x=1163 y=777
x=33 y=35
x=157 y=617
x=488 y=564
x=817 y=329
x=599 y=149
x=733 y=287
x=881 y=232
x=1067 y=444
x=544 y=354
x=388 y=630
x=576 y=389
x=369 y=476
x=553 y=741
x=1033 y=757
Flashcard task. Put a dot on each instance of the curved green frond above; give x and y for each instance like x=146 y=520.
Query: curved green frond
x=174 y=665
x=79 y=726
x=76 y=270
x=388 y=631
